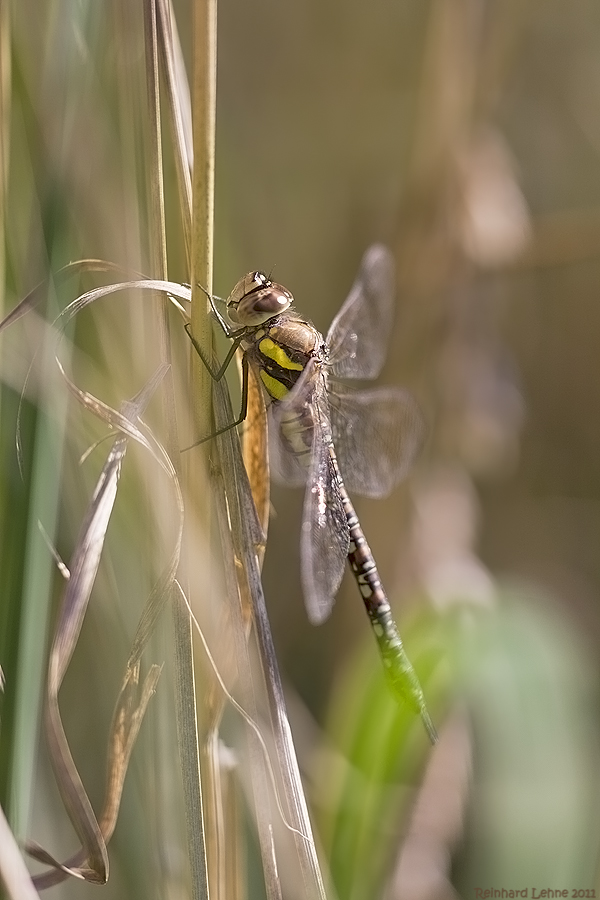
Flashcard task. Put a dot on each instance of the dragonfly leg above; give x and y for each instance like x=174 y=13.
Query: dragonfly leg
x=218 y=374
x=244 y=408
x=229 y=331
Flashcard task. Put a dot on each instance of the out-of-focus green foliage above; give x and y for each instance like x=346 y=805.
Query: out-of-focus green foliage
x=508 y=789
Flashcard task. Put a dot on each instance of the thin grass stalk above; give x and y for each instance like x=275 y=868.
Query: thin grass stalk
x=255 y=433
x=204 y=94
x=234 y=665
x=246 y=536
x=5 y=87
x=221 y=865
x=284 y=744
x=235 y=882
x=185 y=688
x=204 y=44
x=202 y=246
x=153 y=148
x=178 y=109
x=233 y=475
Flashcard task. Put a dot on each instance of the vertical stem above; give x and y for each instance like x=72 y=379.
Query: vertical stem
x=5 y=88
x=204 y=95
x=185 y=691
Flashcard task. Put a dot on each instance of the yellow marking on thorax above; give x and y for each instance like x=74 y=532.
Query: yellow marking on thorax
x=275 y=388
x=273 y=351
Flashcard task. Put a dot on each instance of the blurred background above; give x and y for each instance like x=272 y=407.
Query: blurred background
x=465 y=135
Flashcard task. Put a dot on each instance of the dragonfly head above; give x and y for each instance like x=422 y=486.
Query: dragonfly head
x=256 y=299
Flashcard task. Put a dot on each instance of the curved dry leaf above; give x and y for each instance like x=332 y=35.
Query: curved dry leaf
x=39 y=292
x=84 y=567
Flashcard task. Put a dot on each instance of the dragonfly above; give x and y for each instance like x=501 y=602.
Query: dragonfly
x=330 y=438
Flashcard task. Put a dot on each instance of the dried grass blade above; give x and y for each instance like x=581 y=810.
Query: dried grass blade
x=244 y=535
x=147 y=284
x=204 y=96
x=5 y=131
x=125 y=726
x=83 y=568
x=235 y=506
x=153 y=147
x=204 y=46
x=179 y=110
x=186 y=706
x=127 y=719
x=59 y=871
x=82 y=266
x=284 y=744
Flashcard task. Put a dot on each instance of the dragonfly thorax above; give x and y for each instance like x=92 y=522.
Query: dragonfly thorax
x=280 y=350
x=289 y=357
x=255 y=299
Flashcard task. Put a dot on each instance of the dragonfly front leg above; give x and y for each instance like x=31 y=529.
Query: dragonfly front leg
x=227 y=329
x=217 y=376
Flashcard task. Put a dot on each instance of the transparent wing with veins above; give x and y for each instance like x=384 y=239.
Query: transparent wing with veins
x=325 y=538
x=295 y=411
x=303 y=417
x=377 y=435
x=359 y=334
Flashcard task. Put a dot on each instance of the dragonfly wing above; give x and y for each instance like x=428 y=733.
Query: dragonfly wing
x=300 y=438
x=360 y=332
x=287 y=468
x=291 y=430
x=377 y=435
x=325 y=538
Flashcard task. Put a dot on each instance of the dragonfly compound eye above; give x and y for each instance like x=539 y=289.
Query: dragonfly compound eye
x=260 y=304
x=253 y=281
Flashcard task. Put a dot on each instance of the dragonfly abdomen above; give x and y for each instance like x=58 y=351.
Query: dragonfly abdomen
x=399 y=671
x=297 y=429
